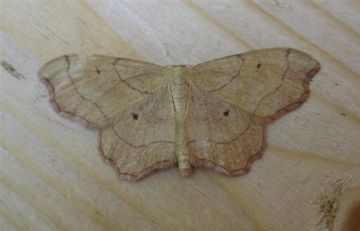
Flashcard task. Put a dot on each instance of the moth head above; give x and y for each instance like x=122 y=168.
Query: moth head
x=176 y=71
x=181 y=65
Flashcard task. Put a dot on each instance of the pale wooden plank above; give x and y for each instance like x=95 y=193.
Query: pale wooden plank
x=258 y=30
x=101 y=208
x=306 y=19
x=308 y=150
x=60 y=27
x=309 y=130
x=20 y=204
x=282 y=202
x=8 y=224
x=17 y=215
x=347 y=11
x=179 y=37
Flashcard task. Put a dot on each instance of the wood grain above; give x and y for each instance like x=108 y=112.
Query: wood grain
x=51 y=177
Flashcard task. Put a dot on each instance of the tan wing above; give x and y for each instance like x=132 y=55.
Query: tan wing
x=221 y=135
x=141 y=139
x=267 y=83
x=95 y=89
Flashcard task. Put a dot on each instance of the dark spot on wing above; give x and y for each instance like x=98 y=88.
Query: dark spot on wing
x=135 y=116
x=226 y=113
x=98 y=71
x=258 y=66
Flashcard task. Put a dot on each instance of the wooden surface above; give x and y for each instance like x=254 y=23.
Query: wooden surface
x=52 y=177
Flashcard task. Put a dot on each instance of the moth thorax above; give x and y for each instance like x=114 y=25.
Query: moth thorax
x=179 y=90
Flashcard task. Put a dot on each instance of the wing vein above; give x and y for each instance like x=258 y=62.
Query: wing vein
x=80 y=94
x=279 y=86
x=128 y=84
x=231 y=80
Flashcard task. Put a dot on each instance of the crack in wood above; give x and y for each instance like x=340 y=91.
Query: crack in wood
x=11 y=70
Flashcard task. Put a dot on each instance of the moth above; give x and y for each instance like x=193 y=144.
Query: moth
x=150 y=117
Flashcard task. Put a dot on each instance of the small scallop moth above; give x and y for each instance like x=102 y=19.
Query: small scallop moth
x=150 y=117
